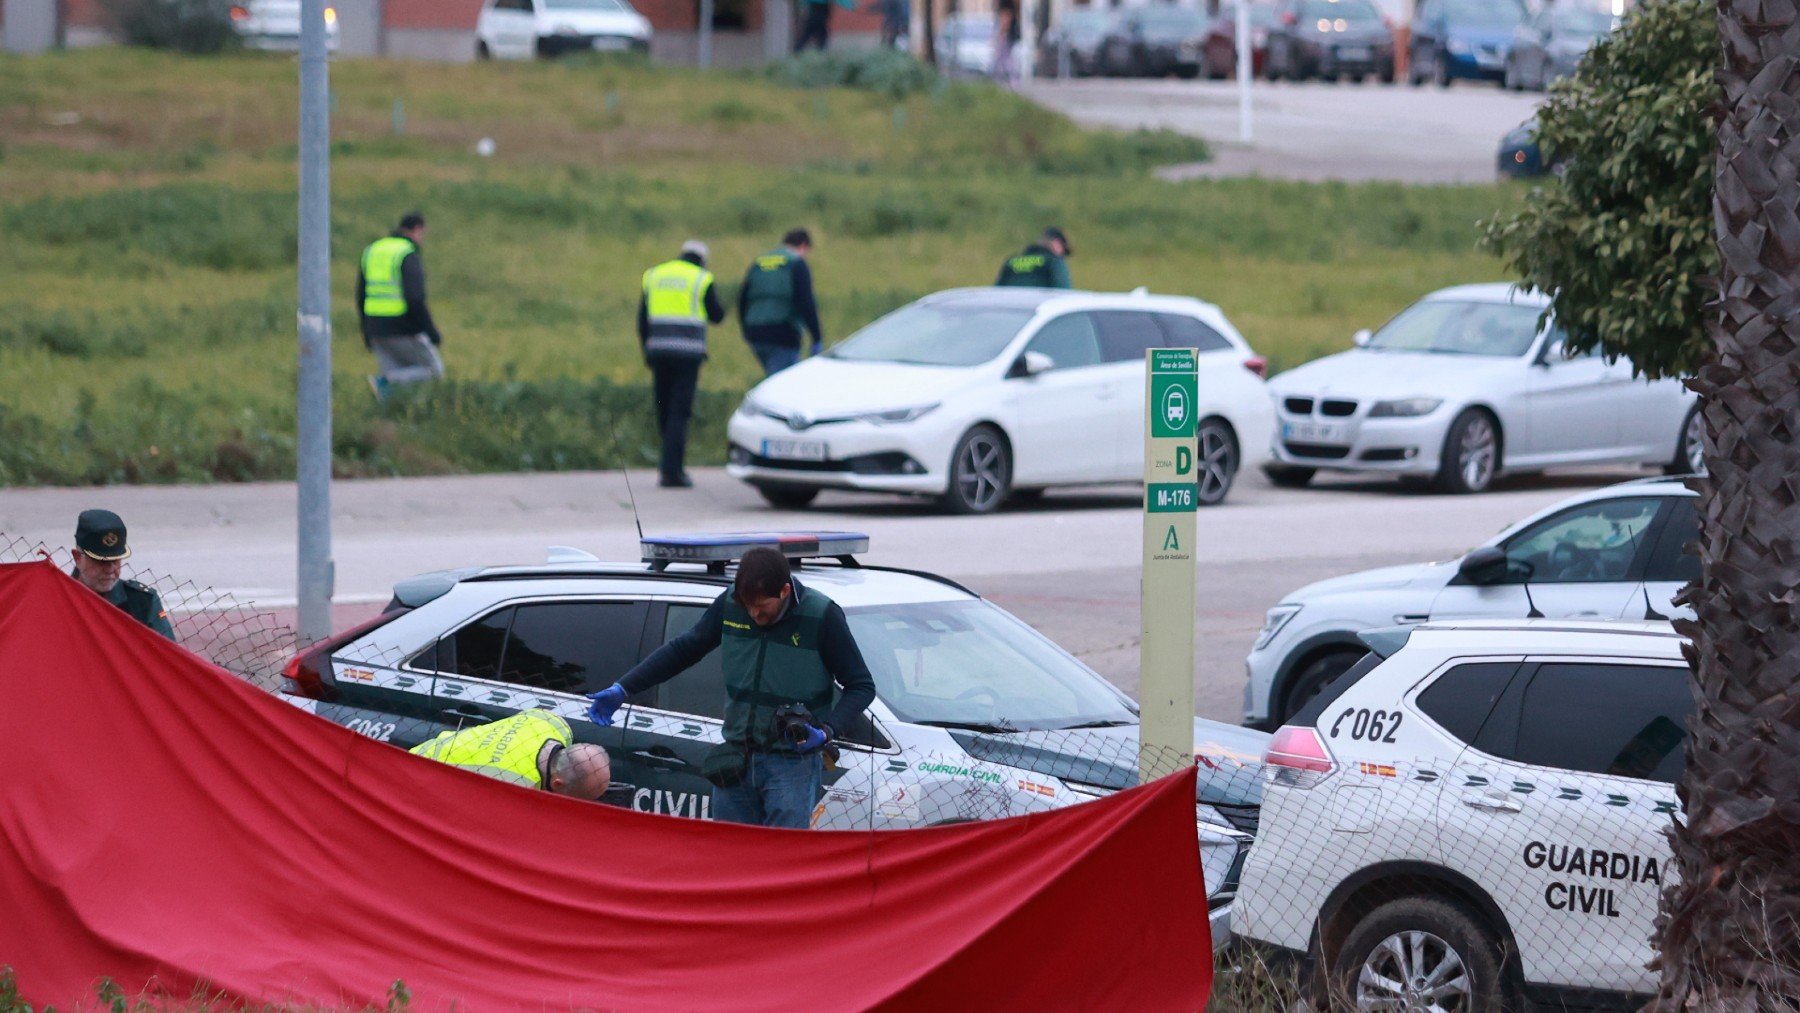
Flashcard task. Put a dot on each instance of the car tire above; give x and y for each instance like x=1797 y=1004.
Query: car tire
x=1216 y=464
x=1415 y=75
x=1471 y=455
x=482 y=52
x=788 y=497
x=1306 y=683
x=1411 y=941
x=1289 y=476
x=1440 y=64
x=980 y=472
x=1387 y=72
x=1690 y=447
x=1355 y=78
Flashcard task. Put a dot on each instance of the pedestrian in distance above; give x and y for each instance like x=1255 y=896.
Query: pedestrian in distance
x=896 y=20
x=100 y=553
x=679 y=300
x=776 y=304
x=532 y=748
x=815 y=27
x=1043 y=264
x=783 y=646
x=390 y=302
x=1006 y=43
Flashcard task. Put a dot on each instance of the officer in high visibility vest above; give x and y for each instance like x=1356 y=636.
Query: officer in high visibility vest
x=390 y=302
x=776 y=304
x=532 y=748
x=100 y=552
x=1042 y=264
x=679 y=300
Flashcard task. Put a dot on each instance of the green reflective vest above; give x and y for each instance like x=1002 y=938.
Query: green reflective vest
x=506 y=749
x=382 y=294
x=1035 y=268
x=769 y=291
x=675 y=302
x=769 y=666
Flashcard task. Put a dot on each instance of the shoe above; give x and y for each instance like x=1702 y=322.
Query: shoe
x=681 y=481
x=379 y=385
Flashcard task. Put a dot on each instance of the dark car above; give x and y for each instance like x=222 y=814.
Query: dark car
x=1329 y=39
x=1548 y=46
x=1154 y=42
x=1218 y=52
x=1521 y=157
x=1462 y=38
x=1071 y=48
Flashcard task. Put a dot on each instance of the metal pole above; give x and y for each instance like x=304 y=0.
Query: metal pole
x=313 y=451
x=1244 y=67
x=706 y=34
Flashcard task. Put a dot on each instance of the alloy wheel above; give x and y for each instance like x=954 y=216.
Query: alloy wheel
x=1413 y=970
x=1693 y=444
x=1475 y=453
x=981 y=477
x=1218 y=463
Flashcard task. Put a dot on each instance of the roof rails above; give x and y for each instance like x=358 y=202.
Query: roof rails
x=715 y=551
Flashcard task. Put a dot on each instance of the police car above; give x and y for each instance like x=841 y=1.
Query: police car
x=1473 y=815
x=977 y=715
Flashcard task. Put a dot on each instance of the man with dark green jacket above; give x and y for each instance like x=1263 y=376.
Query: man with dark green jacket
x=1043 y=264
x=776 y=303
x=783 y=646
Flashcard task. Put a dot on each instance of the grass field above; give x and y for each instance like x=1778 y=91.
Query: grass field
x=147 y=271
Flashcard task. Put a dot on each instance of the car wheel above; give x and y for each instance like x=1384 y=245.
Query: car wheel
x=1218 y=463
x=1420 y=953
x=788 y=497
x=1307 y=682
x=1288 y=476
x=1440 y=64
x=980 y=472
x=1356 y=78
x=1471 y=453
x=1415 y=71
x=1690 y=448
x=1387 y=72
x=482 y=52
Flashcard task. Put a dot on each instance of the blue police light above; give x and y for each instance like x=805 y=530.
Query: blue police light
x=715 y=550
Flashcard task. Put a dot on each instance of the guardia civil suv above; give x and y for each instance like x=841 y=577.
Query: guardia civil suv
x=1473 y=817
x=977 y=715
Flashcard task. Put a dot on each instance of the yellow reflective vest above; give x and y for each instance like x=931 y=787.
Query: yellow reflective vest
x=382 y=294
x=506 y=749
x=675 y=302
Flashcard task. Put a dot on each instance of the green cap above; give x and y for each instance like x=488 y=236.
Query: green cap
x=101 y=535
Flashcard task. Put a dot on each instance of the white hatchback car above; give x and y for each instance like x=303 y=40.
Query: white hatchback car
x=524 y=29
x=974 y=395
x=1463 y=386
x=275 y=24
x=1473 y=817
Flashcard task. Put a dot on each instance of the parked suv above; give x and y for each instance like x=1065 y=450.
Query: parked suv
x=1473 y=817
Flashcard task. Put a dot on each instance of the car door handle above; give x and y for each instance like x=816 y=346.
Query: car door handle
x=465 y=715
x=661 y=756
x=1493 y=803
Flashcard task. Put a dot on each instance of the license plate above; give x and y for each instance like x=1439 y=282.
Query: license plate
x=608 y=43
x=1313 y=432
x=1354 y=53
x=793 y=450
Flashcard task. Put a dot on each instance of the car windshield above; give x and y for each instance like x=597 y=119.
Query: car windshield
x=1085 y=22
x=1173 y=19
x=606 y=6
x=1477 y=14
x=1349 y=10
x=1460 y=328
x=1261 y=15
x=1586 y=23
x=936 y=334
x=967 y=664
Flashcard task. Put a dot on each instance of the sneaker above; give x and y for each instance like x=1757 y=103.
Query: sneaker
x=379 y=384
x=681 y=481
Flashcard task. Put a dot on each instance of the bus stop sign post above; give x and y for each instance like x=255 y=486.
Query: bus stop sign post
x=1166 y=650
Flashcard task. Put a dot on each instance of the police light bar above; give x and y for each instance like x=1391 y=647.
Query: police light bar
x=716 y=550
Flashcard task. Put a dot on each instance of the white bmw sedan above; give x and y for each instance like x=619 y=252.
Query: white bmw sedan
x=976 y=395
x=1465 y=385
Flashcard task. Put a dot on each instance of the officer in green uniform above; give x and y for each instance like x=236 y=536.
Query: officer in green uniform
x=679 y=300
x=776 y=303
x=783 y=646
x=1042 y=264
x=100 y=551
x=532 y=748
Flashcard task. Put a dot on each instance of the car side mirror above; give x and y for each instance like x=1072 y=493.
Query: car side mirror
x=1030 y=364
x=1486 y=565
x=1361 y=338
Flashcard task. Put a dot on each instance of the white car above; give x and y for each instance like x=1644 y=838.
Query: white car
x=1464 y=386
x=974 y=395
x=1473 y=817
x=525 y=29
x=275 y=24
x=1613 y=553
x=966 y=43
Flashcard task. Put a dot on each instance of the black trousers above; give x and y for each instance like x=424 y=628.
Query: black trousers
x=816 y=28
x=674 y=381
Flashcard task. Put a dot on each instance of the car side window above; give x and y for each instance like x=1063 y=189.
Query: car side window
x=700 y=690
x=475 y=650
x=1070 y=341
x=1590 y=543
x=1667 y=560
x=1125 y=335
x=1620 y=720
x=1461 y=699
x=1186 y=332
x=573 y=646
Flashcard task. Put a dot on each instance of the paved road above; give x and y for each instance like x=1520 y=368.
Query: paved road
x=1067 y=564
x=1314 y=132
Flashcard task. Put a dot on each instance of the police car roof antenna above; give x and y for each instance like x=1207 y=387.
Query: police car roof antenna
x=634 y=510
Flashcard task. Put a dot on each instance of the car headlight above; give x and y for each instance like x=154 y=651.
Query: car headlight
x=1405 y=408
x=331 y=15
x=896 y=416
x=1278 y=617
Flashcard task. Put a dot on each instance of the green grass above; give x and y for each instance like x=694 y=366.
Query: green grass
x=147 y=204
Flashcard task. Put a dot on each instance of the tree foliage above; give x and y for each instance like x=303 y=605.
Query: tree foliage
x=1623 y=241
x=185 y=26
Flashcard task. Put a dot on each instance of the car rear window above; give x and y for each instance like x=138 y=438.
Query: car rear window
x=1461 y=699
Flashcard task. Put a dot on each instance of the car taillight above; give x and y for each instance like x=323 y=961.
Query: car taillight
x=1290 y=19
x=1258 y=365
x=239 y=13
x=309 y=672
x=1297 y=757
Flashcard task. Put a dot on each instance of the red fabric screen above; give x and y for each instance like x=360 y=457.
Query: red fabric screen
x=169 y=826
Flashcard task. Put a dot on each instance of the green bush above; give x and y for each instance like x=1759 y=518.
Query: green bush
x=186 y=26
x=883 y=71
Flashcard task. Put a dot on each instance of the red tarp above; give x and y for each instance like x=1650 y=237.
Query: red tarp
x=169 y=826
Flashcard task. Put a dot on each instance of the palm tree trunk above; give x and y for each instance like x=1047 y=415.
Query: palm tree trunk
x=1729 y=932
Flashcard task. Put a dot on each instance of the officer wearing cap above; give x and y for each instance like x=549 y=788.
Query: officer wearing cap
x=1042 y=264
x=100 y=550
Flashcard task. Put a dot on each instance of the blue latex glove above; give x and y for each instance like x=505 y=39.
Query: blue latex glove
x=815 y=737
x=606 y=702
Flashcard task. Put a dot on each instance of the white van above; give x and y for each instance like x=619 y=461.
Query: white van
x=523 y=29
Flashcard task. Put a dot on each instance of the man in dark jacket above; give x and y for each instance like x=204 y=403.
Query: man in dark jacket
x=783 y=647
x=776 y=303
x=679 y=300
x=390 y=302
x=1042 y=265
x=100 y=552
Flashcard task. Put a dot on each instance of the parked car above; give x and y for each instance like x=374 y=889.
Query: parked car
x=1462 y=38
x=1614 y=553
x=965 y=43
x=1329 y=39
x=1476 y=817
x=1080 y=33
x=1466 y=385
x=977 y=395
x=1218 y=51
x=527 y=29
x=1155 y=42
x=1549 y=45
x=275 y=24
x=1522 y=157
x=977 y=715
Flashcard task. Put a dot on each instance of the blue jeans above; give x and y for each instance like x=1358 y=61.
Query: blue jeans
x=780 y=791
x=775 y=358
